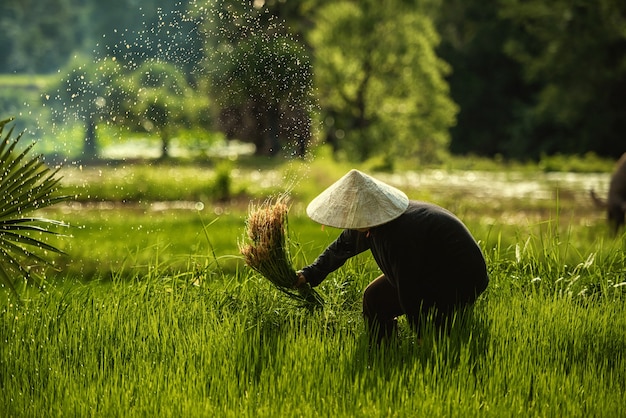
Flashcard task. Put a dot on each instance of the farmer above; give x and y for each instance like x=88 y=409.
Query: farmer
x=430 y=262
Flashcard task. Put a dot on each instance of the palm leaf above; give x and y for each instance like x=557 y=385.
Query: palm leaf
x=5 y=278
x=17 y=266
x=26 y=184
x=17 y=237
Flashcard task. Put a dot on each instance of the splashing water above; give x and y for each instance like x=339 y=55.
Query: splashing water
x=252 y=77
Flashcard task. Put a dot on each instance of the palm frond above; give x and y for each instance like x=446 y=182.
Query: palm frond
x=26 y=184
x=19 y=238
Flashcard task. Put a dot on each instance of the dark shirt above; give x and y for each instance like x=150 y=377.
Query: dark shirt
x=426 y=251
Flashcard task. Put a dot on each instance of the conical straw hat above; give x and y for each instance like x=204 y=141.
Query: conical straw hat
x=357 y=201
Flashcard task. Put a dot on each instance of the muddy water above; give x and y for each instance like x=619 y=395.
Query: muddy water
x=502 y=185
x=496 y=197
x=514 y=198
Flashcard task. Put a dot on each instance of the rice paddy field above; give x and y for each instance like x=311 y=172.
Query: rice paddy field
x=152 y=312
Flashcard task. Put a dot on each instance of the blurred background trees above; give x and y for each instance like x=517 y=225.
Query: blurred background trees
x=536 y=77
x=260 y=77
x=574 y=51
x=380 y=83
x=400 y=78
x=86 y=96
x=156 y=97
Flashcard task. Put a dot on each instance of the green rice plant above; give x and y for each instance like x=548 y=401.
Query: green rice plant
x=266 y=250
x=557 y=260
x=171 y=333
x=161 y=345
x=26 y=185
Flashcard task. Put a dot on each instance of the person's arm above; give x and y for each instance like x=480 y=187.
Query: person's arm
x=348 y=244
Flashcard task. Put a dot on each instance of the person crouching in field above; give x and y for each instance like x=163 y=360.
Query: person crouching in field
x=430 y=262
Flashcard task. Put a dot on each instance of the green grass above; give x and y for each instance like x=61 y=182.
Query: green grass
x=153 y=313
x=108 y=241
x=231 y=346
x=38 y=81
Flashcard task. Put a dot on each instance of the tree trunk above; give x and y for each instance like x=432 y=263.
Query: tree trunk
x=165 y=144
x=273 y=140
x=90 y=145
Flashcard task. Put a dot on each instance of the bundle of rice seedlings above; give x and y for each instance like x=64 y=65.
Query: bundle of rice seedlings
x=266 y=250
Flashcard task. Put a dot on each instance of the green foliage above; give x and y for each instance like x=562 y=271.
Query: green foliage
x=513 y=78
x=261 y=77
x=89 y=94
x=159 y=98
x=381 y=85
x=573 y=52
x=223 y=183
x=38 y=37
x=161 y=181
x=88 y=90
x=552 y=260
x=21 y=94
x=486 y=83
x=139 y=239
x=587 y=163
x=26 y=186
x=154 y=97
x=527 y=75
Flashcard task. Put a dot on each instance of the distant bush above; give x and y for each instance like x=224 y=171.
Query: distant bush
x=587 y=163
x=222 y=185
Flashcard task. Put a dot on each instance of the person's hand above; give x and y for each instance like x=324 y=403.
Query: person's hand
x=300 y=281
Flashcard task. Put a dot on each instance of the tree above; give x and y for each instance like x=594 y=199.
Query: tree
x=88 y=95
x=575 y=51
x=260 y=77
x=486 y=83
x=151 y=30
x=380 y=84
x=159 y=99
x=153 y=97
x=38 y=36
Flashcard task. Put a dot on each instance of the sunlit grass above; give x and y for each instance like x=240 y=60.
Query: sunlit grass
x=110 y=240
x=194 y=345
x=126 y=240
x=155 y=313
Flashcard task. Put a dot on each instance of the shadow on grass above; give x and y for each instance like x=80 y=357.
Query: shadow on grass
x=462 y=345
